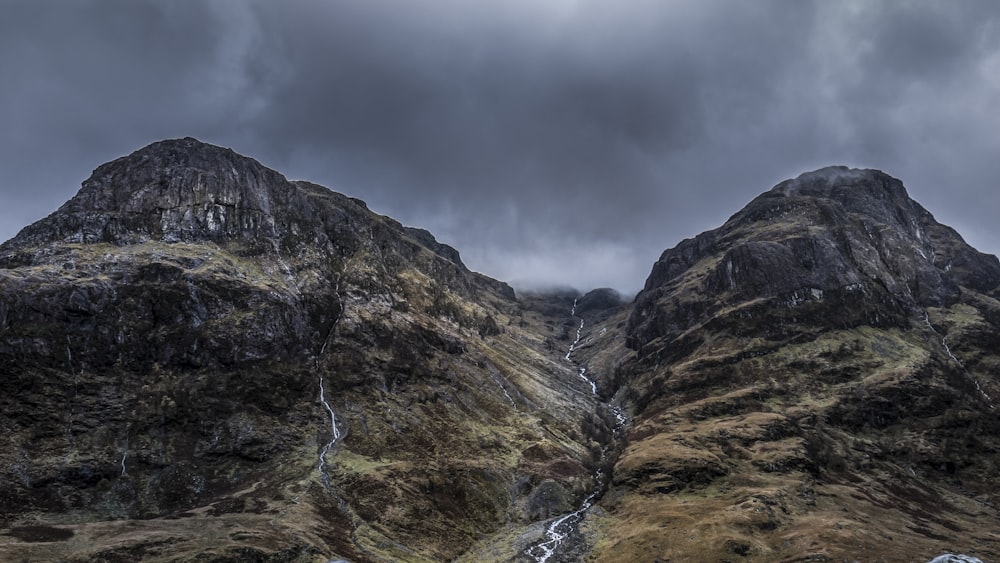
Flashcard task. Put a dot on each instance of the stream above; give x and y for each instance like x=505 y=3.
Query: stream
x=335 y=433
x=562 y=527
x=944 y=342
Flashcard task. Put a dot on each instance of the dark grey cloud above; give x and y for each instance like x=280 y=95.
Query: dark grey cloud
x=563 y=142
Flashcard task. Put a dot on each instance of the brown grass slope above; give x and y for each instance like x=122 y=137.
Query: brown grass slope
x=813 y=381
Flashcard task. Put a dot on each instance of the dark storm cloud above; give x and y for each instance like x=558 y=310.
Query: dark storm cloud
x=551 y=142
x=86 y=81
x=562 y=116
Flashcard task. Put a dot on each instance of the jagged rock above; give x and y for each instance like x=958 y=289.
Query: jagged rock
x=849 y=236
x=599 y=300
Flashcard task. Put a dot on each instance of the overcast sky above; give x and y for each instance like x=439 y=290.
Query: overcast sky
x=550 y=141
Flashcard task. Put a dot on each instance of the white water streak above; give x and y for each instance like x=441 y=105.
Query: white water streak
x=124 y=455
x=497 y=378
x=572 y=346
x=944 y=342
x=564 y=525
x=334 y=433
x=554 y=534
x=619 y=416
x=593 y=386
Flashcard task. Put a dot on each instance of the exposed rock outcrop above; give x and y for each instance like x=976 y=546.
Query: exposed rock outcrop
x=852 y=236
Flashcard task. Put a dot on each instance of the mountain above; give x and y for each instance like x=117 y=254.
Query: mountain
x=201 y=360
x=813 y=381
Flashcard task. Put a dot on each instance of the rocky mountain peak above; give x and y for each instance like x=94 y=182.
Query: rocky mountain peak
x=835 y=232
x=865 y=192
x=834 y=181
x=839 y=195
x=173 y=190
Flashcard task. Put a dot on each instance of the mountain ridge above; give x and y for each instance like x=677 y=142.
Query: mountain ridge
x=195 y=344
x=813 y=343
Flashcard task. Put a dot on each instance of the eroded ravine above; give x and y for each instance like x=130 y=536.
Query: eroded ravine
x=563 y=530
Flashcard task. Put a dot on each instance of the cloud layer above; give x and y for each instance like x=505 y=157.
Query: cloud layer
x=560 y=142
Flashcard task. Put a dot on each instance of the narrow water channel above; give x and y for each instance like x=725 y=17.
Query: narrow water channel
x=561 y=528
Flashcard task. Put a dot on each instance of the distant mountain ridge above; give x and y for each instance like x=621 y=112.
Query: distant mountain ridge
x=243 y=367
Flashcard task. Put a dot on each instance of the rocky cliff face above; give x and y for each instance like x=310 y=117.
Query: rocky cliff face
x=201 y=360
x=851 y=236
x=814 y=380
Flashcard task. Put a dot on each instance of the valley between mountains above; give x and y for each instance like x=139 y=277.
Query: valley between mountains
x=201 y=360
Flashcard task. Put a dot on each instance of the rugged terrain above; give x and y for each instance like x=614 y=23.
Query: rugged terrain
x=812 y=381
x=202 y=360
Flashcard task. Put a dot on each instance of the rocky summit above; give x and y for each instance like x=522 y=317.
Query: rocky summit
x=201 y=360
